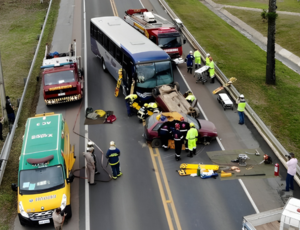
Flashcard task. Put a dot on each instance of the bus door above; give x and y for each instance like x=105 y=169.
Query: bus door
x=127 y=68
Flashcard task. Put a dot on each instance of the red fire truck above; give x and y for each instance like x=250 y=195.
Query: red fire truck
x=62 y=76
x=157 y=29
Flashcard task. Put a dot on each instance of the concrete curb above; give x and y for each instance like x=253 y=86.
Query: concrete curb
x=279 y=50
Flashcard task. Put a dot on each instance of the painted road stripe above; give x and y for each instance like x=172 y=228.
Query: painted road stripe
x=86 y=185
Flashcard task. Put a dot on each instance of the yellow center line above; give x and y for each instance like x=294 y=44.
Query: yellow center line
x=114 y=8
x=163 y=182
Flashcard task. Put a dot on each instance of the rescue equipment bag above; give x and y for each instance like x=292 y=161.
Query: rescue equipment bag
x=88 y=110
x=101 y=112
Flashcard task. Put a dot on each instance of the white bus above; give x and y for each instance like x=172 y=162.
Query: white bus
x=119 y=45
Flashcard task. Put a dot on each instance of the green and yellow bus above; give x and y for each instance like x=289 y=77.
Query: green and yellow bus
x=45 y=165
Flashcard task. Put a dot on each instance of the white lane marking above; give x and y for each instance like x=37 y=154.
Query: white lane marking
x=222 y=147
x=86 y=186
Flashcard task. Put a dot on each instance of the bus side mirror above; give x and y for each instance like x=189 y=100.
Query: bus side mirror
x=71 y=178
x=14 y=187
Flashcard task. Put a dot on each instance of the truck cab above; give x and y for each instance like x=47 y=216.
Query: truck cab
x=44 y=174
x=62 y=77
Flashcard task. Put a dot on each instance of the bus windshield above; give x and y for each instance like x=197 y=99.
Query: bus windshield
x=41 y=179
x=169 y=42
x=59 y=77
x=150 y=75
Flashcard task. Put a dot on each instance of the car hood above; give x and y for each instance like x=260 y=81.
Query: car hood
x=207 y=126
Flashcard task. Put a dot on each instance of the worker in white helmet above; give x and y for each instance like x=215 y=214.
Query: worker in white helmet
x=241 y=102
x=90 y=166
x=113 y=154
x=189 y=62
x=207 y=61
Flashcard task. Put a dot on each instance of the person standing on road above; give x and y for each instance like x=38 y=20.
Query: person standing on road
x=113 y=154
x=90 y=167
x=184 y=127
x=241 y=108
x=197 y=56
x=178 y=137
x=58 y=219
x=292 y=168
x=211 y=70
x=191 y=137
x=164 y=133
x=189 y=62
x=10 y=110
x=129 y=101
x=207 y=61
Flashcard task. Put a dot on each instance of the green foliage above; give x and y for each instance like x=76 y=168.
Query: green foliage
x=264 y=14
x=272 y=15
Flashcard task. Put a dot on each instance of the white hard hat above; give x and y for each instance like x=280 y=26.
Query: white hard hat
x=112 y=143
x=207 y=55
x=89 y=149
x=191 y=52
x=90 y=143
x=242 y=95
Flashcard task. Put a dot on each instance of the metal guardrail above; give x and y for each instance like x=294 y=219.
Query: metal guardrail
x=268 y=136
x=6 y=148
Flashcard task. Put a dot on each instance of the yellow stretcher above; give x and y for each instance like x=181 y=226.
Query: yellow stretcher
x=188 y=169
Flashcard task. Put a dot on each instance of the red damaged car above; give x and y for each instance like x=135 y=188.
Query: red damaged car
x=206 y=129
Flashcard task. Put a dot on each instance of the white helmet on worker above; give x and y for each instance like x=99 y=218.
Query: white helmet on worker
x=90 y=149
x=242 y=96
x=90 y=143
x=207 y=55
x=112 y=143
x=191 y=52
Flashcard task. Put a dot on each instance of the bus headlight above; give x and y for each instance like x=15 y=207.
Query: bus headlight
x=63 y=202
x=22 y=211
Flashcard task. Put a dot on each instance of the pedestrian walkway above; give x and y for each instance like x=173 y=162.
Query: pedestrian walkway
x=286 y=57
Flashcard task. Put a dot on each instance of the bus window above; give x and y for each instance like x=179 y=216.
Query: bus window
x=119 y=55
x=105 y=42
x=93 y=30
x=112 y=48
x=100 y=37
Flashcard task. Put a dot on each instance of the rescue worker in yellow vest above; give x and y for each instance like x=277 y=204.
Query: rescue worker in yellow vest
x=152 y=106
x=212 y=70
x=129 y=101
x=113 y=154
x=191 y=137
x=197 y=57
x=241 y=108
x=207 y=61
x=190 y=98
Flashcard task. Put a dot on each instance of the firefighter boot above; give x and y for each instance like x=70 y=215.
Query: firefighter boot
x=191 y=154
x=194 y=151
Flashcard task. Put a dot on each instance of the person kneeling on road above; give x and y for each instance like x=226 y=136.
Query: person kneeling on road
x=191 y=137
x=178 y=137
x=113 y=154
x=190 y=98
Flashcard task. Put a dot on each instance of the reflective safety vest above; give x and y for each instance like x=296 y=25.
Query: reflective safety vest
x=131 y=97
x=197 y=56
x=190 y=98
x=207 y=61
x=192 y=134
x=241 y=106
x=211 y=69
x=113 y=156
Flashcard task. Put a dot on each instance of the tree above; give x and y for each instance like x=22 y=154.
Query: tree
x=270 y=69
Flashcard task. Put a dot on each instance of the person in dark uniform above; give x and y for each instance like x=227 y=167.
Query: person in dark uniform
x=189 y=62
x=184 y=127
x=164 y=136
x=129 y=101
x=10 y=110
x=112 y=155
x=178 y=137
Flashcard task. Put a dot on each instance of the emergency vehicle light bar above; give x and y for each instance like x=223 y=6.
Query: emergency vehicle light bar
x=56 y=65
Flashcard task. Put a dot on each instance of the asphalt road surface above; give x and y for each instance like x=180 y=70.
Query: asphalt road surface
x=150 y=194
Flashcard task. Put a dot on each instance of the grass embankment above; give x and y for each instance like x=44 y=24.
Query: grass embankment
x=287 y=28
x=286 y=5
x=278 y=106
x=20 y=23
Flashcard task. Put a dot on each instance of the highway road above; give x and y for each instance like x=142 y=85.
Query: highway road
x=150 y=194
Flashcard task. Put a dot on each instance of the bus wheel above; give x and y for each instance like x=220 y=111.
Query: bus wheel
x=103 y=65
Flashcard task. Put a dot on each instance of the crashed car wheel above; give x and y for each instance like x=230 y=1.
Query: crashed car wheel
x=156 y=143
x=155 y=92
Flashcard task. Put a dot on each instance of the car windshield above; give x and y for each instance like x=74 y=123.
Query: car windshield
x=169 y=42
x=151 y=75
x=41 y=179
x=59 y=77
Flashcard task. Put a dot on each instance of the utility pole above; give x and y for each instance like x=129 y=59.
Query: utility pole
x=270 y=72
x=2 y=92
